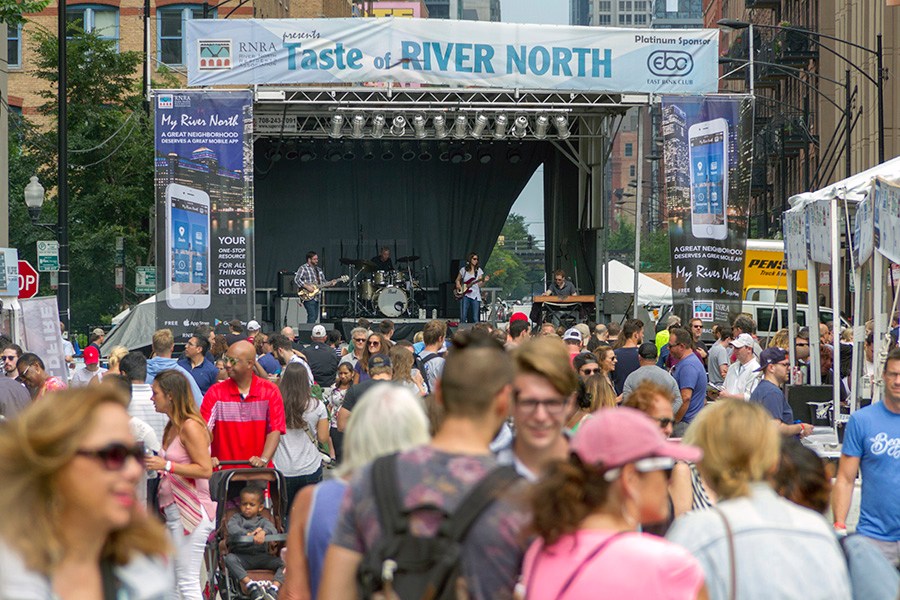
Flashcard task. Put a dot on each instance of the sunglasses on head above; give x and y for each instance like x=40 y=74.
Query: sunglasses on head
x=114 y=455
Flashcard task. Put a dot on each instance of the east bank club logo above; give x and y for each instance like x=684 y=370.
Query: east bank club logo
x=215 y=55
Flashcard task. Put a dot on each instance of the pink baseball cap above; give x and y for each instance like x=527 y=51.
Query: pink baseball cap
x=618 y=436
x=91 y=355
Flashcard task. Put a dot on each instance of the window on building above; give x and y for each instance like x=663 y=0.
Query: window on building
x=102 y=20
x=632 y=171
x=604 y=20
x=625 y=19
x=640 y=6
x=629 y=149
x=14 y=46
x=605 y=6
x=170 y=28
x=640 y=19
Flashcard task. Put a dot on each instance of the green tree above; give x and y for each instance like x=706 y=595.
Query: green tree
x=655 y=253
x=11 y=11
x=514 y=260
x=110 y=178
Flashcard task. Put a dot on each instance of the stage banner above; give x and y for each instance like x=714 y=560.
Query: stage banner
x=707 y=146
x=40 y=330
x=442 y=52
x=204 y=208
x=887 y=219
x=793 y=225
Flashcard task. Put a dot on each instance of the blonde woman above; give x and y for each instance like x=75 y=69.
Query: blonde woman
x=115 y=355
x=72 y=524
x=784 y=551
x=402 y=362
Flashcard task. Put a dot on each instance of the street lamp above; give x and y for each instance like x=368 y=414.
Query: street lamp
x=878 y=52
x=34 y=199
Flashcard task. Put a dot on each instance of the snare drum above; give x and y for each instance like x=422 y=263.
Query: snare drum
x=382 y=278
x=366 y=289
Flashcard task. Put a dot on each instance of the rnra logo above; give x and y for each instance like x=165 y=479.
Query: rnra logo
x=215 y=55
x=165 y=101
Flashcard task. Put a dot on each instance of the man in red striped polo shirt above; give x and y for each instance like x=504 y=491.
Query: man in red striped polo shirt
x=245 y=413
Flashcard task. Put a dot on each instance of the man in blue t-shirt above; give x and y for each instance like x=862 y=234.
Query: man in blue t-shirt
x=776 y=369
x=872 y=445
x=690 y=374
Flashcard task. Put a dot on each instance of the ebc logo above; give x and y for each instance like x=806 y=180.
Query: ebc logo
x=670 y=63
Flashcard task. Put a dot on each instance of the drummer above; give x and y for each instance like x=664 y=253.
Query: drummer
x=383 y=260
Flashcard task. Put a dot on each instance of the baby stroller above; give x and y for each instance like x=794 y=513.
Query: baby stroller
x=225 y=488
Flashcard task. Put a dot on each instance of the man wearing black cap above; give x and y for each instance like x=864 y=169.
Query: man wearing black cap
x=776 y=368
x=648 y=371
x=380 y=371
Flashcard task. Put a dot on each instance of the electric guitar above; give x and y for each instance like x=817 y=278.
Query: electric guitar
x=305 y=294
x=468 y=285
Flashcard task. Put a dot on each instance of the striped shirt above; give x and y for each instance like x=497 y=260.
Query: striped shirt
x=239 y=425
x=142 y=407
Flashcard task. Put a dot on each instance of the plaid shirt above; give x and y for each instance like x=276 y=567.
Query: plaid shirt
x=309 y=275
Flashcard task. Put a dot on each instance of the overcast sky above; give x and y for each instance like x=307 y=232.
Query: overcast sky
x=553 y=12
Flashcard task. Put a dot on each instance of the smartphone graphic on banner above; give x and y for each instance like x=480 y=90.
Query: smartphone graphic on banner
x=187 y=247
x=708 y=152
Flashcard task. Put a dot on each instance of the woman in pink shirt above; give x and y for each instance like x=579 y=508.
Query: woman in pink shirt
x=185 y=467
x=587 y=511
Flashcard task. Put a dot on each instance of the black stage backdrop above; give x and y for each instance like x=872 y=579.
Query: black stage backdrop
x=348 y=207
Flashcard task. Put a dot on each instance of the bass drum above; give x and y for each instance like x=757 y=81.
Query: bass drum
x=391 y=301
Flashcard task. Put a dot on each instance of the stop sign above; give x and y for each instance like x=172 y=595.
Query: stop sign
x=28 y=280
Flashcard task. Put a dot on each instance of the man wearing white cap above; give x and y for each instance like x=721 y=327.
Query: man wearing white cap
x=321 y=357
x=574 y=342
x=742 y=378
x=252 y=330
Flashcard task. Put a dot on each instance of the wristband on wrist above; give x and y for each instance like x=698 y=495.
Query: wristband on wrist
x=168 y=466
x=264 y=459
x=840 y=525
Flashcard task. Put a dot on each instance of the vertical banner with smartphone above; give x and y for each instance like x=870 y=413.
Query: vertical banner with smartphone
x=707 y=145
x=204 y=208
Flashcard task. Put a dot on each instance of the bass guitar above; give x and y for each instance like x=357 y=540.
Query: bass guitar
x=305 y=294
x=468 y=285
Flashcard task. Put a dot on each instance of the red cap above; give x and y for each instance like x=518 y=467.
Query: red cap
x=91 y=355
x=618 y=436
x=518 y=316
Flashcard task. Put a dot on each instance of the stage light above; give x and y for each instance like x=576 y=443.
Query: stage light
x=541 y=124
x=562 y=127
x=481 y=122
x=520 y=127
x=459 y=127
x=407 y=152
x=292 y=152
x=334 y=154
x=398 y=127
x=378 y=126
x=500 y=123
x=307 y=155
x=337 y=121
x=357 y=125
x=484 y=156
x=440 y=126
x=419 y=126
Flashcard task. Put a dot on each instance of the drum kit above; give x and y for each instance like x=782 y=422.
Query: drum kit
x=389 y=293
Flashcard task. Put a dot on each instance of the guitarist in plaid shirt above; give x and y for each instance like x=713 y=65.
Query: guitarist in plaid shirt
x=309 y=277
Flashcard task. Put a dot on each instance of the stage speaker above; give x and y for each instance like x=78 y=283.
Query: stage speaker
x=304 y=331
x=285 y=286
x=289 y=311
x=449 y=305
x=455 y=266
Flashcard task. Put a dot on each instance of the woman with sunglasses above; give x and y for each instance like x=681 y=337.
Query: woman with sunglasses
x=375 y=344
x=587 y=510
x=72 y=527
x=38 y=381
x=586 y=364
x=185 y=466
x=785 y=551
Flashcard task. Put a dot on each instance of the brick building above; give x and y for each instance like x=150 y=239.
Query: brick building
x=123 y=21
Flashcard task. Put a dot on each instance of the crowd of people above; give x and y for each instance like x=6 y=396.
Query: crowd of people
x=512 y=462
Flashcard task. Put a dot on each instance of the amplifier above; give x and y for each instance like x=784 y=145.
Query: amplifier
x=285 y=285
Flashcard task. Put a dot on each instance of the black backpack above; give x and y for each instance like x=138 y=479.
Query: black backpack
x=420 y=363
x=421 y=568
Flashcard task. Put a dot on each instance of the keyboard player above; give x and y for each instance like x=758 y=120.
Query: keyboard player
x=560 y=286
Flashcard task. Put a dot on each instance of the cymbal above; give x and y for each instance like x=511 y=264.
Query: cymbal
x=411 y=258
x=358 y=263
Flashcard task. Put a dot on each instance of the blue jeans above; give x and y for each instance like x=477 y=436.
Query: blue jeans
x=295 y=484
x=469 y=310
x=312 y=310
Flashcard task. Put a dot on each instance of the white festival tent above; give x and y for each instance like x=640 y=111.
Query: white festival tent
x=132 y=328
x=650 y=291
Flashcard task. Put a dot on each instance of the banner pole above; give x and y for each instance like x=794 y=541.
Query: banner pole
x=638 y=222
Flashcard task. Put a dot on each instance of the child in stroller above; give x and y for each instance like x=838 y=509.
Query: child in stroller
x=254 y=554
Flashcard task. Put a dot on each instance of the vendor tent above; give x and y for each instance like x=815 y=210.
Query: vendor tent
x=133 y=327
x=650 y=291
